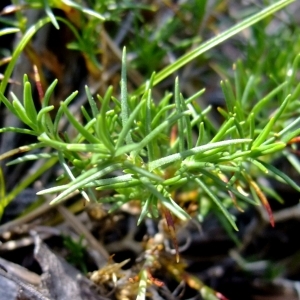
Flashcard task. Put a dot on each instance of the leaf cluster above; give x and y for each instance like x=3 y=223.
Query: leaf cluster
x=148 y=150
x=167 y=153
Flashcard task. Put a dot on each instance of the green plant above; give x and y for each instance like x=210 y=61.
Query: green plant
x=118 y=144
x=76 y=253
x=149 y=150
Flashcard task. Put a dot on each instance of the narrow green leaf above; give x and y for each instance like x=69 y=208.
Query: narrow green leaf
x=148 y=128
x=229 y=96
x=49 y=93
x=281 y=175
x=292 y=78
x=154 y=207
x=172 y=180
x=196 y=150
x=251 y=121
x=238 y=124
x=118 y=185
x=195 y=96
x=226 y=186
x=287 y=134
x=88 y=127
x=124 y=98
x=60 y=112
x=261 y=167
x=84 y=179
x=155 y=132
x=17 y=130
x=187 y=125
x=44 y=121
x=126 y=129
x=179 y=109
x=202 y=138
x=263 y=134
x=296 y=92
x=262 y=103
x=143 y=172
x=94 y=148
x=246 y=93
x=217 y=202
x=293 y=160
x=21 y=149
x=269 y=191
x=167 y=202
x=268 y=149
x=234 y=156
x=50 y=14
x=222 y=131
x=8 y=31
x=86 y=134
x=69 y=173
x=149 y=83
x=117 y=204
x=54 y=189
x=30 y=157
x=103 y=129
x=171 y=205
x=21 y=113
x=192 y=164
x=92 y=102
x=145 y=210
x=161 y=114
x=97 y=149
x=85 y=10
x=110 y=181
x=8 y=104
x=85 y=114
x=266 y=131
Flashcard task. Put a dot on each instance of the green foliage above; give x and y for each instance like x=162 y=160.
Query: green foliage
x=117 y=150
x=127 y=146
x=147 y=148
x=76 y=254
